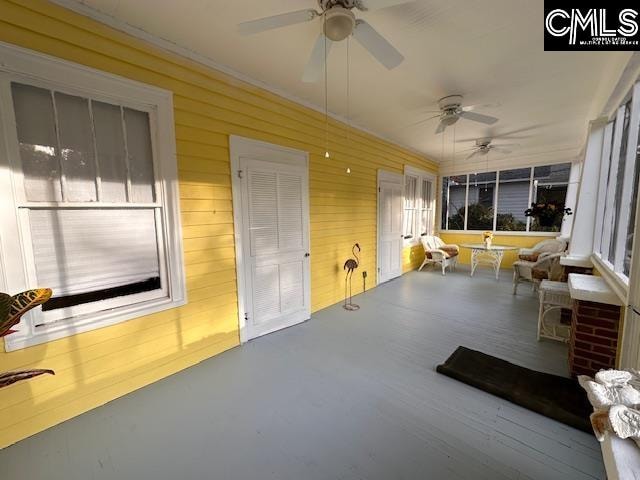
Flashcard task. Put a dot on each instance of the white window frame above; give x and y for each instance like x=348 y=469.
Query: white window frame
x=604 y=225
x=16 y=258
x=526 y=232
x=420 y=175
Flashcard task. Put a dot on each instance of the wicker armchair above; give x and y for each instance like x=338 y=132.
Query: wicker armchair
x=438 y=252
x=545 y=267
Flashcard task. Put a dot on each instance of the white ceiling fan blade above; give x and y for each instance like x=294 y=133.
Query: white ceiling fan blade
x=376 y=44
x=276 y=21
x=376 y=4
x=441 y=127
x=479 y=117
x=501 y=150
x=419 y=122
x=316 y=64
x=507 y=145
x=472 y=155
x=469 y=108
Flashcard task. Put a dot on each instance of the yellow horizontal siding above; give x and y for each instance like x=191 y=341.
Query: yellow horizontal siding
x=95 y=367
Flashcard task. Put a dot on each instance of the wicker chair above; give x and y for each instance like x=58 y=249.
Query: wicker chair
x=545 y=267
x=436 y=251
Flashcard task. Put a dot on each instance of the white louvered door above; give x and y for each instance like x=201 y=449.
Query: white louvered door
x=390 y=203
x=275 y=244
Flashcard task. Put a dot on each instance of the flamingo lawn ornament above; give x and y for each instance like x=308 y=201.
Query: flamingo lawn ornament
x=350 y=265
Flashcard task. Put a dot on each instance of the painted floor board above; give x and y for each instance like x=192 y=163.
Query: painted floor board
x=346 y=395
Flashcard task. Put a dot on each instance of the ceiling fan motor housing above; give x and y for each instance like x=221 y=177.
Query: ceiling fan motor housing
x=338 y=23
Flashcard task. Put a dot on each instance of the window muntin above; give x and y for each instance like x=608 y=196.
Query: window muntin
x=482 y=205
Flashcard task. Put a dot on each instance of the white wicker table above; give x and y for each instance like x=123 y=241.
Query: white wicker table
x=554 y=296
x=492 y=256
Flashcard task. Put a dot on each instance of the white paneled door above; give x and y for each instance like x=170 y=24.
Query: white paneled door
x=274 y=265
x=390 y=198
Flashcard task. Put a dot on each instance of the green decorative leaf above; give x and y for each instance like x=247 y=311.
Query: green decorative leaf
x=6 y=322
x=9 y=378
x=21 y=304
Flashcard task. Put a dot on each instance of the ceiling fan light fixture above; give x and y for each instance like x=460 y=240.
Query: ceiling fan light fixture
x=338 y=23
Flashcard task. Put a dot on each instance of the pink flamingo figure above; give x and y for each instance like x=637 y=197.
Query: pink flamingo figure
x=350 y=265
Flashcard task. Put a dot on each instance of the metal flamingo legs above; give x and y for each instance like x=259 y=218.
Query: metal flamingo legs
x=350 y=265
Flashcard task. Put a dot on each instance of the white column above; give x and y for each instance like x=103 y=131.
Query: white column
x=572 y=199
x=581 y=244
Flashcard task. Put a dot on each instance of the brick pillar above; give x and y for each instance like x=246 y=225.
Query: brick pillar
x=594 y=337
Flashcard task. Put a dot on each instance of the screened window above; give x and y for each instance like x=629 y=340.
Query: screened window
x=550 y=185
x=480 y=203
x=91 y=215
x=454 y=198
x=500 y=198
x=513 y=199
x=618 y=189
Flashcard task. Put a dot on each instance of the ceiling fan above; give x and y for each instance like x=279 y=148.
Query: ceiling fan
x=338 y=23
x=484 y=146
x=451 y=110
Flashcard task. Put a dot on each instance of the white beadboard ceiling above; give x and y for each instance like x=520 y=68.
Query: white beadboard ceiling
x=489 y=51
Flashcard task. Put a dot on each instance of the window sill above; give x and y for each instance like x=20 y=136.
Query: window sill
x=55 y=331
x=500 y=233
x=615 y=281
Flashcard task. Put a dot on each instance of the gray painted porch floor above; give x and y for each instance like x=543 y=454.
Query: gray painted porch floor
x=347 y=395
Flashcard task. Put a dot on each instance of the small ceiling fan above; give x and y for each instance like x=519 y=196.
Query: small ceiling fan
x=338 y=23
x=451 y=110
x=484 y=146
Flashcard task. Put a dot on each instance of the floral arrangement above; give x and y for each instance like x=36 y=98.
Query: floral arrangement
x=547 y=213
x=487 y=235
x=11 y=310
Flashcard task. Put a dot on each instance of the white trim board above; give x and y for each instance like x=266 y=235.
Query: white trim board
x=174 y=48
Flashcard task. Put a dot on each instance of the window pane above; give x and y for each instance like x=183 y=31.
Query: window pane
x=513 y=199
x=76 y=143
x=410 y=201
x=38 y=145
x=453 y=197
x=550 y=187
x=427 y=189
x=481 y=196
x=111 y=154
x=620 y=180
x=140 y=156
x=632 y=218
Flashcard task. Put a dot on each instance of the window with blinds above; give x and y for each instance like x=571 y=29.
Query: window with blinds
x=89 y=198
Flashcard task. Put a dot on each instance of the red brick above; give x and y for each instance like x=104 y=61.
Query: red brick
x=597 y=358
x=606 y=333
x=582 y=345
x=593 y=339
x=584 y=328
x=604 y=350
x=597 y=322
x=581 y=361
